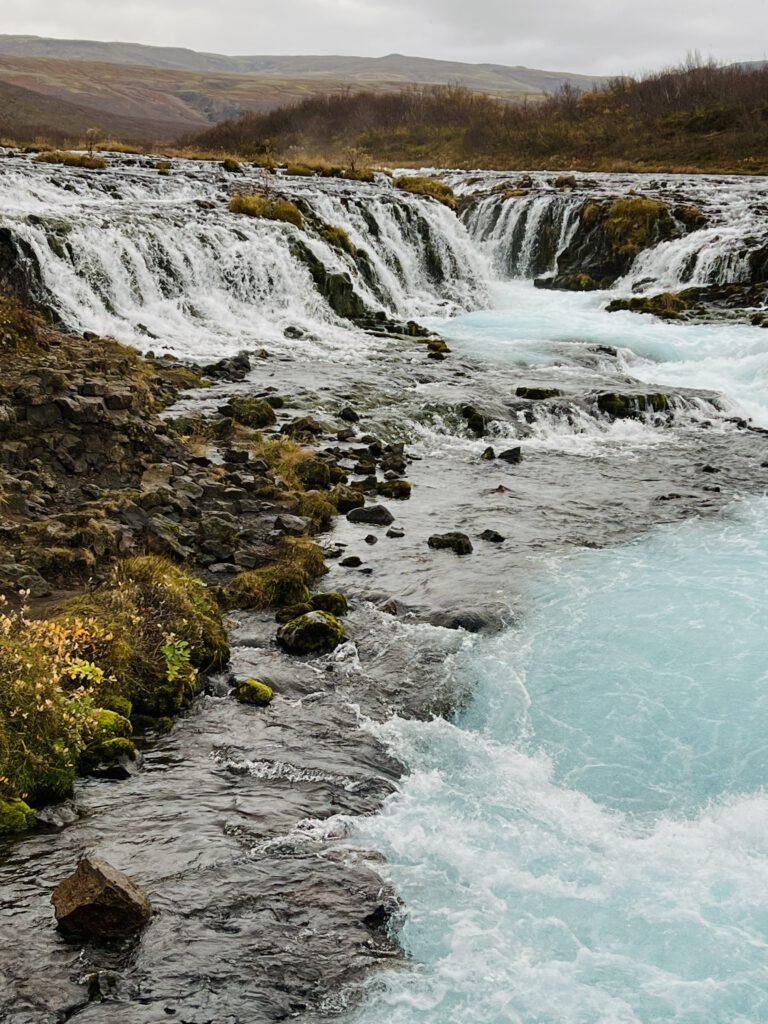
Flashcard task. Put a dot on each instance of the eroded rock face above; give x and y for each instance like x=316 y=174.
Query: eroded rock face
x=99 y=901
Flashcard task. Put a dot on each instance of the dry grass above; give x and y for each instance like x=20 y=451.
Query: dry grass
x=67 y=159
x=267 y=209
x=427 y=187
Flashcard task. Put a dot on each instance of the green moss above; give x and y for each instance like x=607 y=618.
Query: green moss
x=252 y=412
x=292 y=611
x=231 y=166
x=278 y=585
x=108 y=724
x=313 y=633
x=634 y=223
x=114 y=702
x=146 y=601
x=318 y=508
x=251 y=691
x=427 y=187
x=337 y=238
x=106 y=753
x=15 y=816
x=267 y=209
x=330 y=601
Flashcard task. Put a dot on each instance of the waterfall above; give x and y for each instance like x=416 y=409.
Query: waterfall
x=524 y=235
x=145 y=257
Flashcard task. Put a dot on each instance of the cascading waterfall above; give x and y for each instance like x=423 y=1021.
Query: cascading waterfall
x=524 y=235
x=148 y=258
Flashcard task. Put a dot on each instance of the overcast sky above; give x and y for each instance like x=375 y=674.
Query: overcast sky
x=601 y=36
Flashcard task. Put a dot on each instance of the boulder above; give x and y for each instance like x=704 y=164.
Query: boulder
x=455 y=541
x=251 y=691
x=251 y=412
x=399 y=489
x=312 y=633
x=330 y=601
x=492 y=536
x=99 y=901
x=512 y=456
x=375 y=515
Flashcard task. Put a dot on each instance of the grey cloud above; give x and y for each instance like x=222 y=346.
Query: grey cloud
x=599 y=36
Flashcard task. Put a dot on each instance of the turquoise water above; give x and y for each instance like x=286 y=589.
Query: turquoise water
x=534 y=328
x=588 y=843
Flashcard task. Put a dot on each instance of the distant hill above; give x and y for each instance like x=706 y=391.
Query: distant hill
x=169 y=102
x=26 y=116
x=496 y=79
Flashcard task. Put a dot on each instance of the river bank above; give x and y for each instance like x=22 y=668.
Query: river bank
x=241 y=820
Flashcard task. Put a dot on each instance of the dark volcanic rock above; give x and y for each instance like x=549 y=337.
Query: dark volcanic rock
x=376 y=515
x=458 y=542
x=98 y=900
x=512 y=456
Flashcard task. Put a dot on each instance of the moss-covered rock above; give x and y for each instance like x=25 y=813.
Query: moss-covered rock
x=279 y=585
x=263 y=207
x=399 y=489
x=252 y=412
x=538 y=394
x=346 y=498
x=619 y=406
x=330 y=601
x=15 y=816
x=251 y=691
x=313 y=633
x=108 y=755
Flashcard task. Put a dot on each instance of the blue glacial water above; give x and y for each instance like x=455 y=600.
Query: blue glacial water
x=528 y=327
x=588 y=842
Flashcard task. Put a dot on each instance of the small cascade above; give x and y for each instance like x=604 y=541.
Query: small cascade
x=524 y=232
x=524 y=235
x=143 y=257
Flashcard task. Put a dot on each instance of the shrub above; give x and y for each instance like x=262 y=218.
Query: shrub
x=267 y=209
x=90 y=163
x=48 y=691
x=162 y=625
x=427 y=187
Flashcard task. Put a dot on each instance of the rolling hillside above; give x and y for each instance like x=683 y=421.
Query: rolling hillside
x=26 y=116
x=362 y=71
x=172 y=102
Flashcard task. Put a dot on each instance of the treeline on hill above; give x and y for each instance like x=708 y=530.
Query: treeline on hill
x=696 y=117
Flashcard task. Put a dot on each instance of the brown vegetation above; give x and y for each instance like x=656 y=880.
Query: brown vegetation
x=697 y=117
